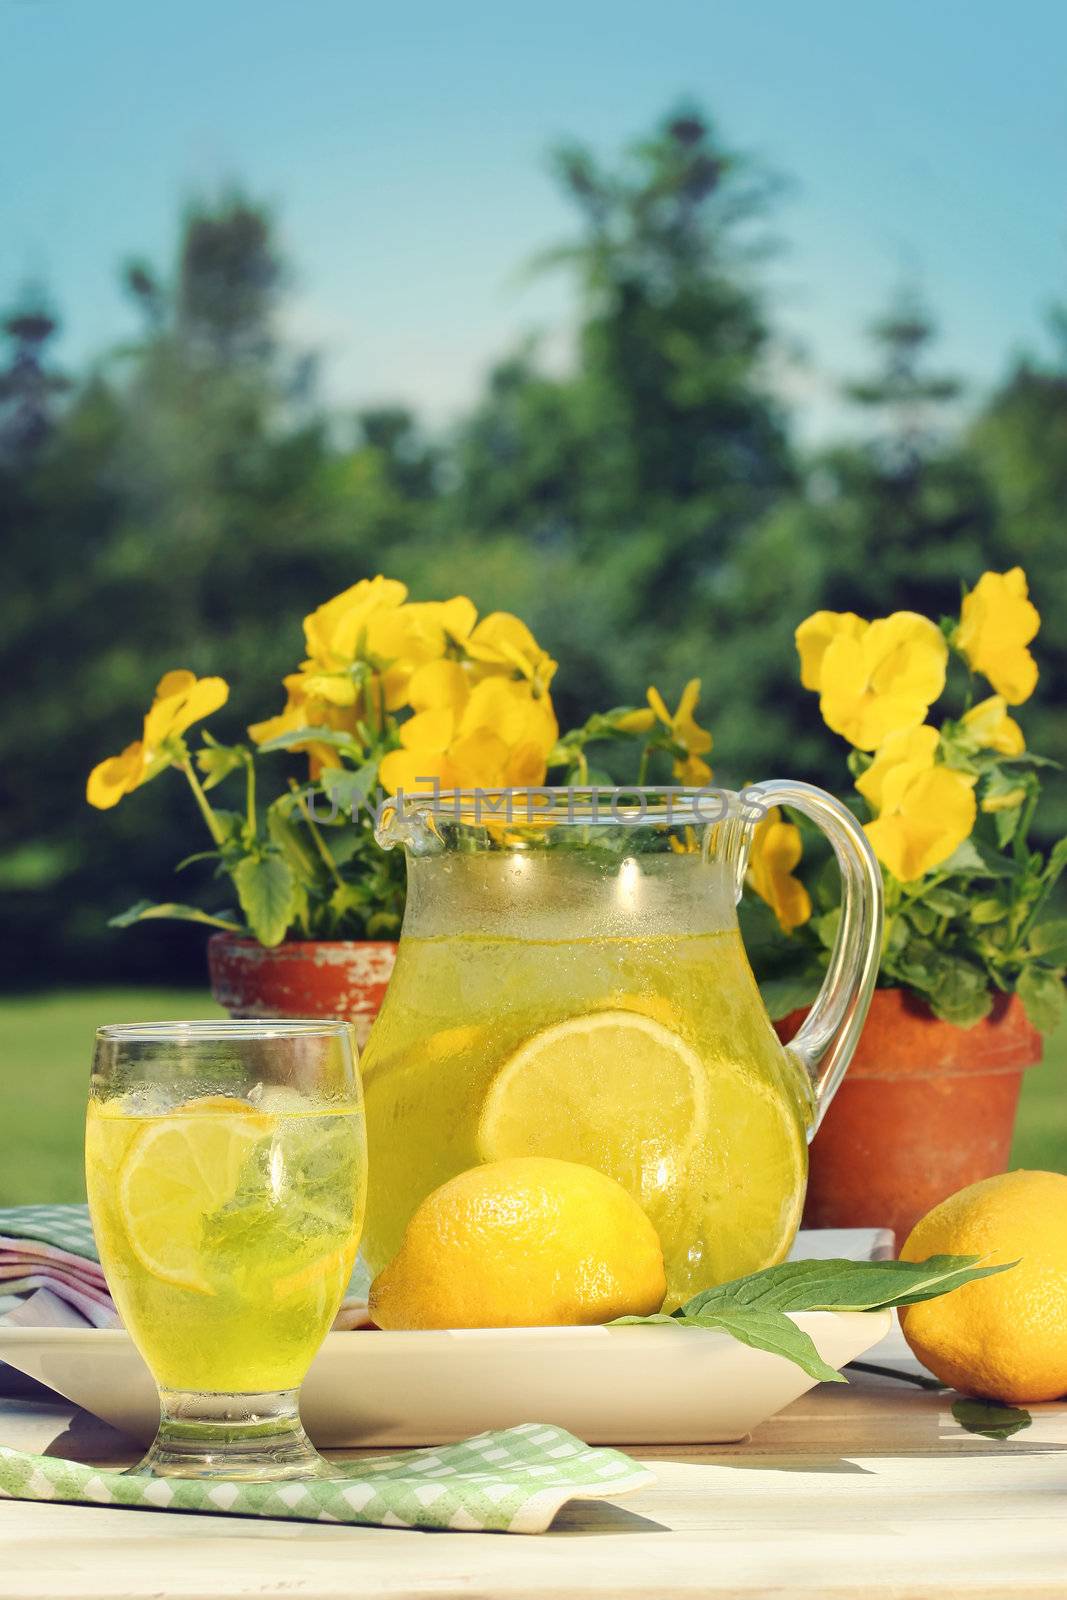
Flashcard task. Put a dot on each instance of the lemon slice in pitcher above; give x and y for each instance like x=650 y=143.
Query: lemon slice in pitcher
x=614 y=1090
x=180 y=1169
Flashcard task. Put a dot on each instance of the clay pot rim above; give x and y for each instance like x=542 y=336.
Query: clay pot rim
x=295 y=947
x=904 y=1040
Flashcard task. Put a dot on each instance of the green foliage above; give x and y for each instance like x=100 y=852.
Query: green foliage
x=184 y=500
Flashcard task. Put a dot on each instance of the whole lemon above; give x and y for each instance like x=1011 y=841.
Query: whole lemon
x=525 y=1242
x=1003 y=1337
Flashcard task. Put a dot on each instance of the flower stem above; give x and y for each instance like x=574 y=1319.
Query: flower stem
x=213 y=824
x=315 y=832
x=251 y=793
x=642 y=770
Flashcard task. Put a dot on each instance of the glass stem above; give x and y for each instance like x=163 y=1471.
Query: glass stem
x=245 y=1436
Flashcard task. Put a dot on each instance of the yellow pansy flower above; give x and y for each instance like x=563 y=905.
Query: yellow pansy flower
x=925 y=809
x=335 y=631
x=306 y=710
x=695 y=741
x=503 y=640
x=181 y=699
x=997 y=622
x=496 y=735
x=814 y=636
x=989 y=725
x=776 y=849
x=371 y=624
x=881 y=679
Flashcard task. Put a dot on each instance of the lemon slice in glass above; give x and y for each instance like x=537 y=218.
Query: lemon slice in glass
x=178 y=1171
x=615 y=1090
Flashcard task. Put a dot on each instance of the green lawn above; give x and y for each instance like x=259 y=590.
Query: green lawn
x=46 y=1043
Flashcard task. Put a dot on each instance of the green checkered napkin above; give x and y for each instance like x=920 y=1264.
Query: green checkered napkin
x=511 y=1481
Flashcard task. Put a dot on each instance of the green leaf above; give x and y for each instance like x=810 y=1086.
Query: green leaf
x=988 y=910
x=990 y=1418
x=791 y=993
x=302 y=736
x=266 y=889
x=146 y=911
x=1049 y=941
x=923 y=917
x=1041 y=992
x=756 y=1309
x=216 y=761
x=946 y=902
x=769 y=1330
x=761 y=1330
x=974 y=858
x=840 y=1285
x=348 y=790
x=289 y=839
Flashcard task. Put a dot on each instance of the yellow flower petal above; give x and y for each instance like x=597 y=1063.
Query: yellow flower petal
x=992 y=729
x=432 y=731
x=932 y=818
x=997 y=622
x=335 y=631
x=884 y=681
x=1004 y=802
x=479 y=760
x=503 y=640
x=438 y=684
x=414 y=771
x=639 y=720
x=816 y=633
x=659 y=706
x=901 y=758
x=116 y=776
x=181 y=699
x=775 y=851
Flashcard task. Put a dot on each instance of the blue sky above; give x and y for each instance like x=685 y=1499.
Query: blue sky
x=403 y=149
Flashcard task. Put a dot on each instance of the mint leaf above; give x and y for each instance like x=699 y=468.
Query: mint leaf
x=840 y=1285
x=756 y=1309
x=762 y=1330
x=990 y=1418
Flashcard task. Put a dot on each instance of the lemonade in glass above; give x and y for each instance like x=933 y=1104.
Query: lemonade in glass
x=226 y=1174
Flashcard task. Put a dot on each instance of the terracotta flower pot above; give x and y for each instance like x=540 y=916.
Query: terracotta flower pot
x=925 y=1109
x=303 y=978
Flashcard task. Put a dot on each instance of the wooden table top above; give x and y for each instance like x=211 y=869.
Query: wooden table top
x=872 y=1490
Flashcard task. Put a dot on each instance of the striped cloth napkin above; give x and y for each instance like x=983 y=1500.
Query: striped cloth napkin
x=50 y=1275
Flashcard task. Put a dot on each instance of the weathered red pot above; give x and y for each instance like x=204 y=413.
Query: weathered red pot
x=304 y=978
x=925 y=1109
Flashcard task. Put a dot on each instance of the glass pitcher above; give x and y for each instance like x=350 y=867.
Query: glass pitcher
x=571 y=982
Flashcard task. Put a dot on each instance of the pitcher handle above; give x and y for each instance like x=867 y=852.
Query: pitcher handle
x=831 y=1030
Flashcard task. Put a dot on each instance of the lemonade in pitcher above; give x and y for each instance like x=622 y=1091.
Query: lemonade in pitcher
x=578 y=988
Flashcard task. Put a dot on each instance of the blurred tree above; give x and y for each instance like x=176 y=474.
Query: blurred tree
x=667 y=421
x=29 y=386
x=1020 y=438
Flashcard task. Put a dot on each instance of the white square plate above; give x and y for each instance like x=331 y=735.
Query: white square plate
x=652 y=1385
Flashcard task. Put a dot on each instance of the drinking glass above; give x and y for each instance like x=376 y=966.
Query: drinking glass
x=226 y=1170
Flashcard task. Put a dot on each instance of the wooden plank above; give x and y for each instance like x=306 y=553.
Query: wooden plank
x=872 y=1491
